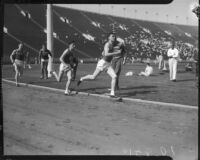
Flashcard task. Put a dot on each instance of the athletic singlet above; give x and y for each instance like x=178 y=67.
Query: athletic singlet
x=44 y=54
x=68 y=57
x=116 y=47
x=19 y=55
x=108 y=58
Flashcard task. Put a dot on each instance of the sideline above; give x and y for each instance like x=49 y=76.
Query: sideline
x=105 y=96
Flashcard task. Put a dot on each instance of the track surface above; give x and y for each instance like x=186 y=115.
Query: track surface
x=41 y=122
x=154 y=88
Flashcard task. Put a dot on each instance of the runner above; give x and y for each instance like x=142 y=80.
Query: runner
x=105 y=64
x=43 y=60
x=118 y=59
x=66 y=66
x=17 y=58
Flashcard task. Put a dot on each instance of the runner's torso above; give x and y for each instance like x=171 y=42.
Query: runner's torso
x=44 y=54
x=68 y=58
x=19 y=55
x=108 y=58
x=117 y=46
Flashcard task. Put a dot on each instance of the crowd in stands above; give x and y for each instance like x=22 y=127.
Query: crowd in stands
x=142 y=45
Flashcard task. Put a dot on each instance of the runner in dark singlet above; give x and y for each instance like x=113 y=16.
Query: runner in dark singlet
x=43 y=60
x=66 y=66
x=17 y=58
x=118 y=60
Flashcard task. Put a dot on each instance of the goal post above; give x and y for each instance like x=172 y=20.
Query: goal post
x=49 y=25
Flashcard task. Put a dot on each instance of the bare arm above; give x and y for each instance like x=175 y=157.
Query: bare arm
x=12 y=56
x=107 y=53
x=62 y=57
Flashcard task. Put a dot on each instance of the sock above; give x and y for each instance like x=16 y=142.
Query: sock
x=112 y=93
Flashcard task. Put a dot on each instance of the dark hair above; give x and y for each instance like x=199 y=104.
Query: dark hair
x=110 y=34
x=71 y=42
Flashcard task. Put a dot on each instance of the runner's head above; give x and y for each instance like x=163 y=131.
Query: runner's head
x=20 y=46
x=71 y=45
x=111 y=37
x=44 y=47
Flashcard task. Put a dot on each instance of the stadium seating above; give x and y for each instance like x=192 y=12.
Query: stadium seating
x=88 y=29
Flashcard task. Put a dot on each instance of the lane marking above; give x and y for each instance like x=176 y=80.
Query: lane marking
x=162 y=103
x=105 y=96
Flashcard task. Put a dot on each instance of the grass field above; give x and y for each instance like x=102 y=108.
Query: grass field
x=155 y=88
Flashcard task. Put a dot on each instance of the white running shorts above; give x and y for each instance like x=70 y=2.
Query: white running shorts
x=64 y=68
x=103 y=65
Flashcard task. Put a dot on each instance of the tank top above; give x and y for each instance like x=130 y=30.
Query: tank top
x=19 y=55
x=116 y=47
x=108 y=58
x=68 y=58
x=44 y=54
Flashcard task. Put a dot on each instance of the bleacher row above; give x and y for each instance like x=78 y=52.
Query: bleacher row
x=27 y=23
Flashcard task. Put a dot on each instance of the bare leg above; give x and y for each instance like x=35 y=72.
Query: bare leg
x=143 y=74
x=69 y=78
x=92 y=76
x=16 y=75
x=42 y=70
x=59 y=76
x=89 y=77
x=16 y=78
x=45 y=70
x=112 y=74
x=29 y=66
x=20 y=71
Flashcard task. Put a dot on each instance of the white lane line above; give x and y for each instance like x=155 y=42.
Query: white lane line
x=105 y=96
x=162 y=103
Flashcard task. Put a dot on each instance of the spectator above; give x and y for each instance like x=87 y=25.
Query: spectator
x=148 y=71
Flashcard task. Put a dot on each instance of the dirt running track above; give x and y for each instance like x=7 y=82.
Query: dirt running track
x=41 y=122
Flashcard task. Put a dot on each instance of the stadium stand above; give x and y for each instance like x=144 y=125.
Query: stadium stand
x=144 y=39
